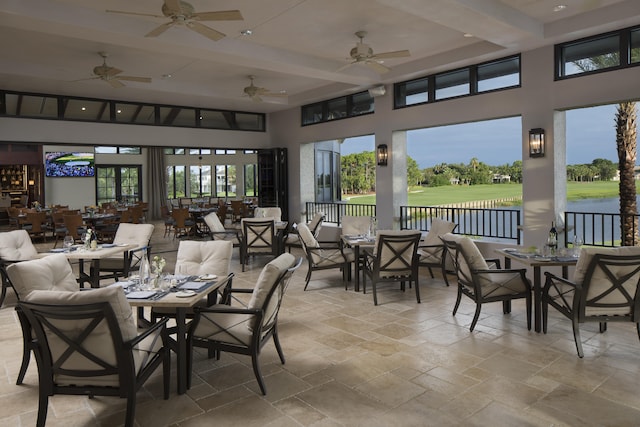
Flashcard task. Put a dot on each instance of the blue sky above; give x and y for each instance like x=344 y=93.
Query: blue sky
x=590 y=135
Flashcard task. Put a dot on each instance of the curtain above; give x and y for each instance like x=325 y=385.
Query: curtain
x=157 y=182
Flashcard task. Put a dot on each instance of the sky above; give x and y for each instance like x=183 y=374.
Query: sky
x=590 y=135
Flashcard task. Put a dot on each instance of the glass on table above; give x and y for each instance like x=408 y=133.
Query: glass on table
x=67 y=242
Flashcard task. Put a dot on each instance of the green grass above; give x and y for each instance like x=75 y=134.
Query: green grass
x=430 y=196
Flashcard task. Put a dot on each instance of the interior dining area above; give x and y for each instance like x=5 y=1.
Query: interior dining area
x=162 y=265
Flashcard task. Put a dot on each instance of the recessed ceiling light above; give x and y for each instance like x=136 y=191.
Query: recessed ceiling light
x=468 y=35
x=83 y=108
x=559 y=7
x=246 y=32
x=166 y=76
x=119 y=111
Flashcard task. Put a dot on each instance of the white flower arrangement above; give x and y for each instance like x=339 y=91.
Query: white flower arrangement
x=87 y=236
x=158 y=264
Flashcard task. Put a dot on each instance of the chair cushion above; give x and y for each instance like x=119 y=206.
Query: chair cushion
x=472 y=259
x=438 y=228
x=307 y=237
x=213 y=222
x=587 y=253
x=352 y=225
x=52 y=273
x=233 y=328
x=385 y=253
x=209 y=257
x=133 y=234
x=313 y=224
x=273 y=212
x=268 y=277
x=16 y=246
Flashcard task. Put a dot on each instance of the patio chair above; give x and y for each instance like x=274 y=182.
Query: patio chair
x=75 y=226
x=272 y=212
x=393 y=259
x=87 y=343
x=15 y=246
x=605 y=288
x=183 y=224
x=218 y=232
x=484 y=284
x=324 y=256
x=292 y=240
x=37 y=225
x=433 y=253
x=258 y=238
x=245 y=330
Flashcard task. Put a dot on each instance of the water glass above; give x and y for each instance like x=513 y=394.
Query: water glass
x=577 y=245
x=67 y=243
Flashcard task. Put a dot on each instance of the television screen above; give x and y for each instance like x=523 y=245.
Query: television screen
x=60 y=163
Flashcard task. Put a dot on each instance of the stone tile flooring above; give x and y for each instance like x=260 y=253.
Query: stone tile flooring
x=350 y=363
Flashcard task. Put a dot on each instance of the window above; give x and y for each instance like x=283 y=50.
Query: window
x=118 y=183
x=603 y=52
x=176 y=182
x=338 y=108
x=171 y=151
x=86 y=110
x=117 y=150
x=135 y=113
x=199 y=151
x=31 y=106
x=250 y=180
x=499 y=74
x=226 y=180
x=327 y=172
x=452 y=84
x=199 y=181
x=412 y=92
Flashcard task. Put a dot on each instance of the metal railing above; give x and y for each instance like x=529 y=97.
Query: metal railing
x=595 y=228
x=334 y=211
x=492 y=223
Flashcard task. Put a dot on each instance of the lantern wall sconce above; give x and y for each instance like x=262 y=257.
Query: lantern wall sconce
x=536 y=142
x=383 y=155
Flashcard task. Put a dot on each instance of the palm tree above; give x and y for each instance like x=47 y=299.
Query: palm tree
x=626 y=143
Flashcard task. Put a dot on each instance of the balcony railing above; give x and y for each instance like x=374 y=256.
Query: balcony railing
x=595 y=228
x=491 y=223
x=334 y=211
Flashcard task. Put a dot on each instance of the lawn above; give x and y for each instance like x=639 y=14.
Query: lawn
x=430 y=196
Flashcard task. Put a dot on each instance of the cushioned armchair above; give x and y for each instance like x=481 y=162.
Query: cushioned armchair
x=292 y=240
x=136 y=235
x=245 y=330
x=484 y=284
x=604 y=289
x=258 y=238
x=53 y=273
x=433 y=253
x=272 y=212
x=394 y=258
x=324 y=256
x=87 y=343
x=353 y=225
x=218 y=232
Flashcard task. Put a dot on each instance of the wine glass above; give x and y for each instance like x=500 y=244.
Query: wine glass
x=67 y=243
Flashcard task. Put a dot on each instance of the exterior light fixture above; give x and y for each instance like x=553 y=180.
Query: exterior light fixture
x=536 y=142
x=382 y=155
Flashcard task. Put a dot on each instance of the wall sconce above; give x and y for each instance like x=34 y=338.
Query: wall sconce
x=32 y=182
x=383 y=155
x=536 y=142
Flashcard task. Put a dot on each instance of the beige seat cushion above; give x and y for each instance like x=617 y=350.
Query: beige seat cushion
x=100 y=340
x=438 y=228
x=473 y=257
x=49 y=273
x=16 y=246
x=272 y=212
x=136 y=235
x=208 y=257
x=386 y=254
x=354 y=225
x=213 y=222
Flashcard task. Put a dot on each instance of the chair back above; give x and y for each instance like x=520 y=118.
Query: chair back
x=80 y=337
x=213 y=222
x=272 y=212
x=222 y=212
x=74 y=225
x=270 y=288
x=258 y=235
x=466 y=257
x=396 y=253
x=16 y=245
x=137 y=214
x=611 y=282
x=208 y=257
x=180 y=215
x=137 y=235
x=52 y=272
x=316 y=223
x=38 y=221
x=308 y=240
x=354 y=225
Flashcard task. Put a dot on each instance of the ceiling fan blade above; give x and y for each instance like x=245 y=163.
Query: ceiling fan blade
x=112 y=72
x=115 y=83
x=159 y=30
x=256 y=98
x=344 y=67
x=395 y=54
x=275 y=94
x=378 y=68
x=225 y=15
x=134 y=13
x=206 y=31
x=173 y=6
x=88 y=78
x=135 y=79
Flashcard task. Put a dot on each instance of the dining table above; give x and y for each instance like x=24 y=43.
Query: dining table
x=180 y=298
x=537 y=262
x=81 y=254
x=356 y=242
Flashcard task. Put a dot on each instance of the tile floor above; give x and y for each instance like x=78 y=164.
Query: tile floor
x=350 y=363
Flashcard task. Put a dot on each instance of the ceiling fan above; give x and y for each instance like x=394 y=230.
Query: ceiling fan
x=256 y=93
x=183 y=13
x=111 y=74
x=363 y=54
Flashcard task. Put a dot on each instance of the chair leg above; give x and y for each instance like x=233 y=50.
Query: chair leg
x=506 y=306
x=455 y=307
x=4 y=291
x=276 y=341
x=528 y=298
x=43 y=405
x=417 y=290
x=375 y=294
x=306 y=283
x=603 y=327
x=576 y=337
x=475 y=317
x=26 y=356
x=256 y=371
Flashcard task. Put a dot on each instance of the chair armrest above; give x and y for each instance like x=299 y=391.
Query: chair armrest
x=227 y=309
x=552 y=278
x=496 y=261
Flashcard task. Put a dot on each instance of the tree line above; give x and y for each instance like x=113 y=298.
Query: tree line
x=358 y=173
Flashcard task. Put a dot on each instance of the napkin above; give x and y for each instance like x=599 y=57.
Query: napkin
x=194 y=286
x=140 y=294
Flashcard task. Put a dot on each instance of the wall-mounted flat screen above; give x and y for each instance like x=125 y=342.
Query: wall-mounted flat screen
x=65 y=163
